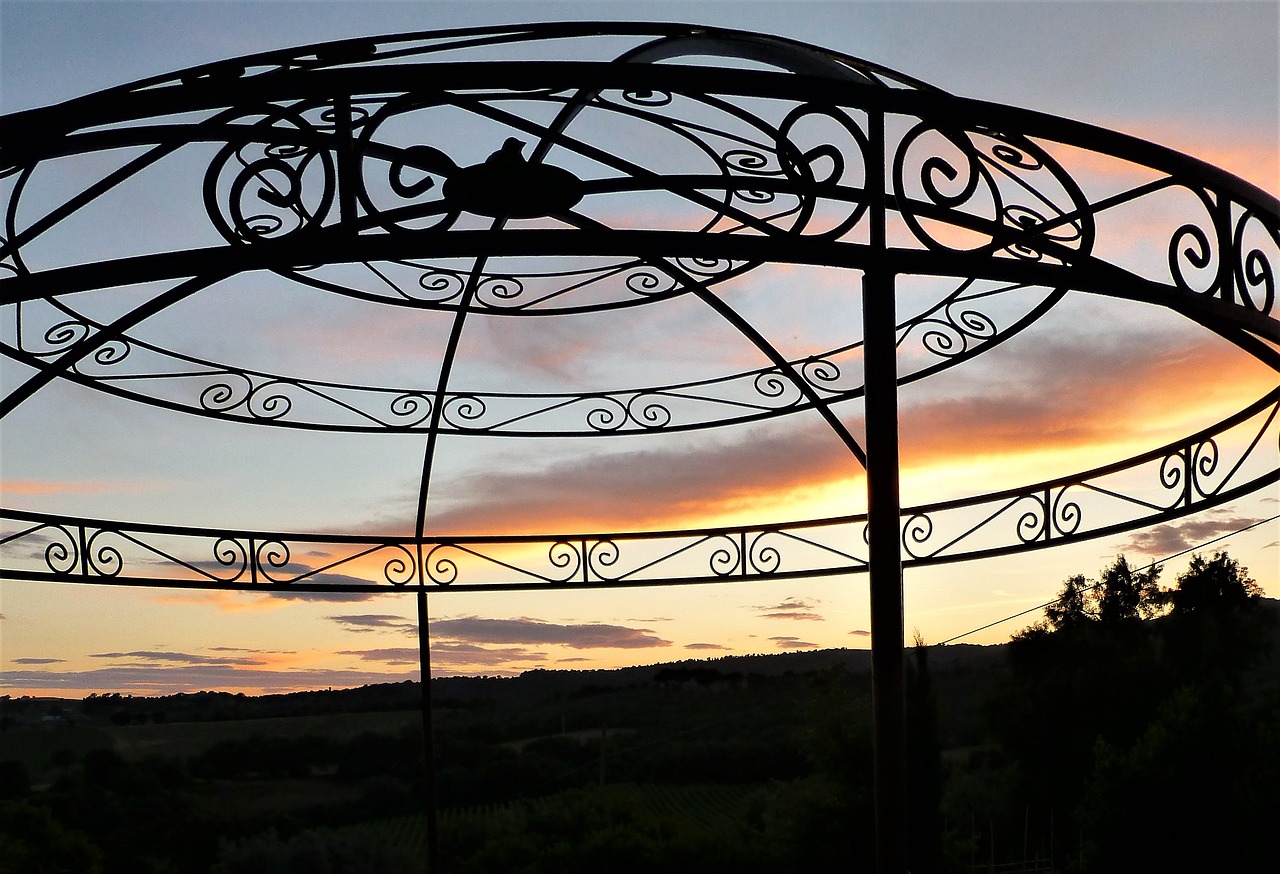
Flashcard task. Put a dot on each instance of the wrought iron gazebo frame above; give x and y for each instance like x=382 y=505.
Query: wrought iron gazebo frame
x=803 y=156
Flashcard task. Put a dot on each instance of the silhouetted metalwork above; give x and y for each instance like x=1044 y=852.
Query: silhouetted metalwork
x=1233 y=458
x=569 y=169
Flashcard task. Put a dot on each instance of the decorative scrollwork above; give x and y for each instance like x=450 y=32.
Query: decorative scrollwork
x=649 y=411
x=915 y=533
x=601 y=556
x=1172 y=473
x=270 y=400
x=440 y=285
x=1051 y=515
x=233 y=555
x=705 y=268
x=957 y=333
x=764 y=557
x=1203 y=463
x=464 y=412
x=825 y=151
x=778 y=389
x=402 y=185
x=646 y=280
x=726 y=557
x=410 y=409
x=1067 y=514
x=954 y=190
x=606 y=413
x=821 y=373
x=62 y=553
x=646 y=97
x=271 y=555
x=441 y=569
x=566 y=557
x=500 y=291
x=1256 y=245
x=230 y=391
x=1033 y=524
x=112 y=352
x=751 y=161
x=274 y=178
x=1191 y=260
x=64 y=334
x=103 y=559
x=401 y=569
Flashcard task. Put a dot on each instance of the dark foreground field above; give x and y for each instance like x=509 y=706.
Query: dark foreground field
x=1096 y=749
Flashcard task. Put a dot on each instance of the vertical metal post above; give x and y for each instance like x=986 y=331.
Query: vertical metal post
x=428 y=735
x=880 y=368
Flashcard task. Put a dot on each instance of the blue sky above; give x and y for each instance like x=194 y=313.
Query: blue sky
x=1044 y=407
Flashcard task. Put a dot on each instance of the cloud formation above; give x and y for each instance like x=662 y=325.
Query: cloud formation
x=1174 y=537
x=703 y=646
x=592 y=635
x=367 y=622
x=1101 y=396
x=792 y=643
x=37 y=661
x=468 y=656
x=403 y=655
x=645 y=488
x=184 y=658
x=791 y=608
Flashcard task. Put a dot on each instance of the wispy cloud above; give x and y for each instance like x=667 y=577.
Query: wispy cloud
x=534 y=631
x=1174 y=537
x=58 y=487
x=367 y=622
x=158 y=657
x=791 y=608
x=37 y=661
x=647 y=487
x=705 y=646
x=253 y=602
x=254 y=651
x=858 y=632
x=403 y=655
x=792 y=643
x=462 y=657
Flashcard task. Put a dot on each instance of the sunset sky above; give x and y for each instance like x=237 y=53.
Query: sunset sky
x=1095 y=381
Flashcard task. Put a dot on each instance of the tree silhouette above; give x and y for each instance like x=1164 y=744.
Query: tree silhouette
x=1217 y=584
x=1125 y=594
x=1144 y=734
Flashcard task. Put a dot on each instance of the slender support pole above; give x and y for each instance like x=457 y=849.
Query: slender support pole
x=885 y=560
x=884 y=546
x=428 y=735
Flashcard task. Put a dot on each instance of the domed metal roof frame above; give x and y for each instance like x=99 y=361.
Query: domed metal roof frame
x=308 y=178
x=310 y=118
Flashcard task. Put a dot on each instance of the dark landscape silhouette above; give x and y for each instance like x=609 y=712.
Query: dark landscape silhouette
x=1095 y=740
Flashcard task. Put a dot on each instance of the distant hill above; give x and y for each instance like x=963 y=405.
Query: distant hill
x=451 y=692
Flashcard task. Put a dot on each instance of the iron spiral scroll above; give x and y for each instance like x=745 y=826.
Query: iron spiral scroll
x=650 y=166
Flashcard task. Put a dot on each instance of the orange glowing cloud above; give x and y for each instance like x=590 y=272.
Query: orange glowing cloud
x=1075 y=405
x=54 y=487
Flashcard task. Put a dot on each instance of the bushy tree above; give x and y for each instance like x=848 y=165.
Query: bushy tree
x=1216 y=584
x=1124 y=594
x=1133 y=730
x=1120 y=594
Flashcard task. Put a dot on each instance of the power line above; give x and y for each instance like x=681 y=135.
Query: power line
x=1164 y=560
